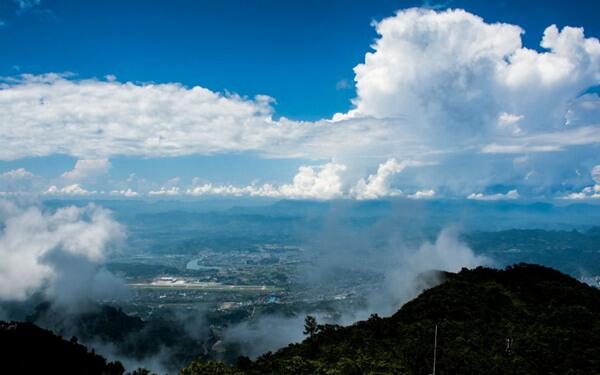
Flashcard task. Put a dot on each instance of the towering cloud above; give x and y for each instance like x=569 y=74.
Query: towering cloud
x=453 y=76
x=459 y=87
x=321 y=183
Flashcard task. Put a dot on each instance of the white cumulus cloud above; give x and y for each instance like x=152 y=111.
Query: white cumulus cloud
x=315 y=182
x=323 y=182
x=87 y=169
x=422 y=194
x=378 y=185
x=165 y=191
x=588 y=192
x=311 y=182
x=68 y=190
x=127 y=193
x=511 y=194
x=452 y=74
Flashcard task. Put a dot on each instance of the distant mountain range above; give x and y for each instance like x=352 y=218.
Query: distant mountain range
x=472 y=214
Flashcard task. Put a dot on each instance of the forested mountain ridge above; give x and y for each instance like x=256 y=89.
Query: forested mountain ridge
x=28 y=349
x=526 y=319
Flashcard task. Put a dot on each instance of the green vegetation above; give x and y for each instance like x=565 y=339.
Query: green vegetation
x=310 y=326
x=525 y=319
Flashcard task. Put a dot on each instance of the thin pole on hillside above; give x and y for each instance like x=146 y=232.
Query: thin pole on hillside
x=434 y=349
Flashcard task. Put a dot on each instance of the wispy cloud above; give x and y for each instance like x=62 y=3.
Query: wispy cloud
x=343 y=84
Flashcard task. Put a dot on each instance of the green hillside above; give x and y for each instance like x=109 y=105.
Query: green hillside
x=526 y=319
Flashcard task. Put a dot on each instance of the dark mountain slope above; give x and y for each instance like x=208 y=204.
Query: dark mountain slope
x=525 y=319
x=130 y=336
x=28 y=349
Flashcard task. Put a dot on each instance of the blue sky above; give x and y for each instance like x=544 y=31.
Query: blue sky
x=295 y=52
x=302 y=55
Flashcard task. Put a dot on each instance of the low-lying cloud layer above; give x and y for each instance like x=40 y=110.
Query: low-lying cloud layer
x=320 y=182
x=57 y=253
x=315 y=182
x=405 y=275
